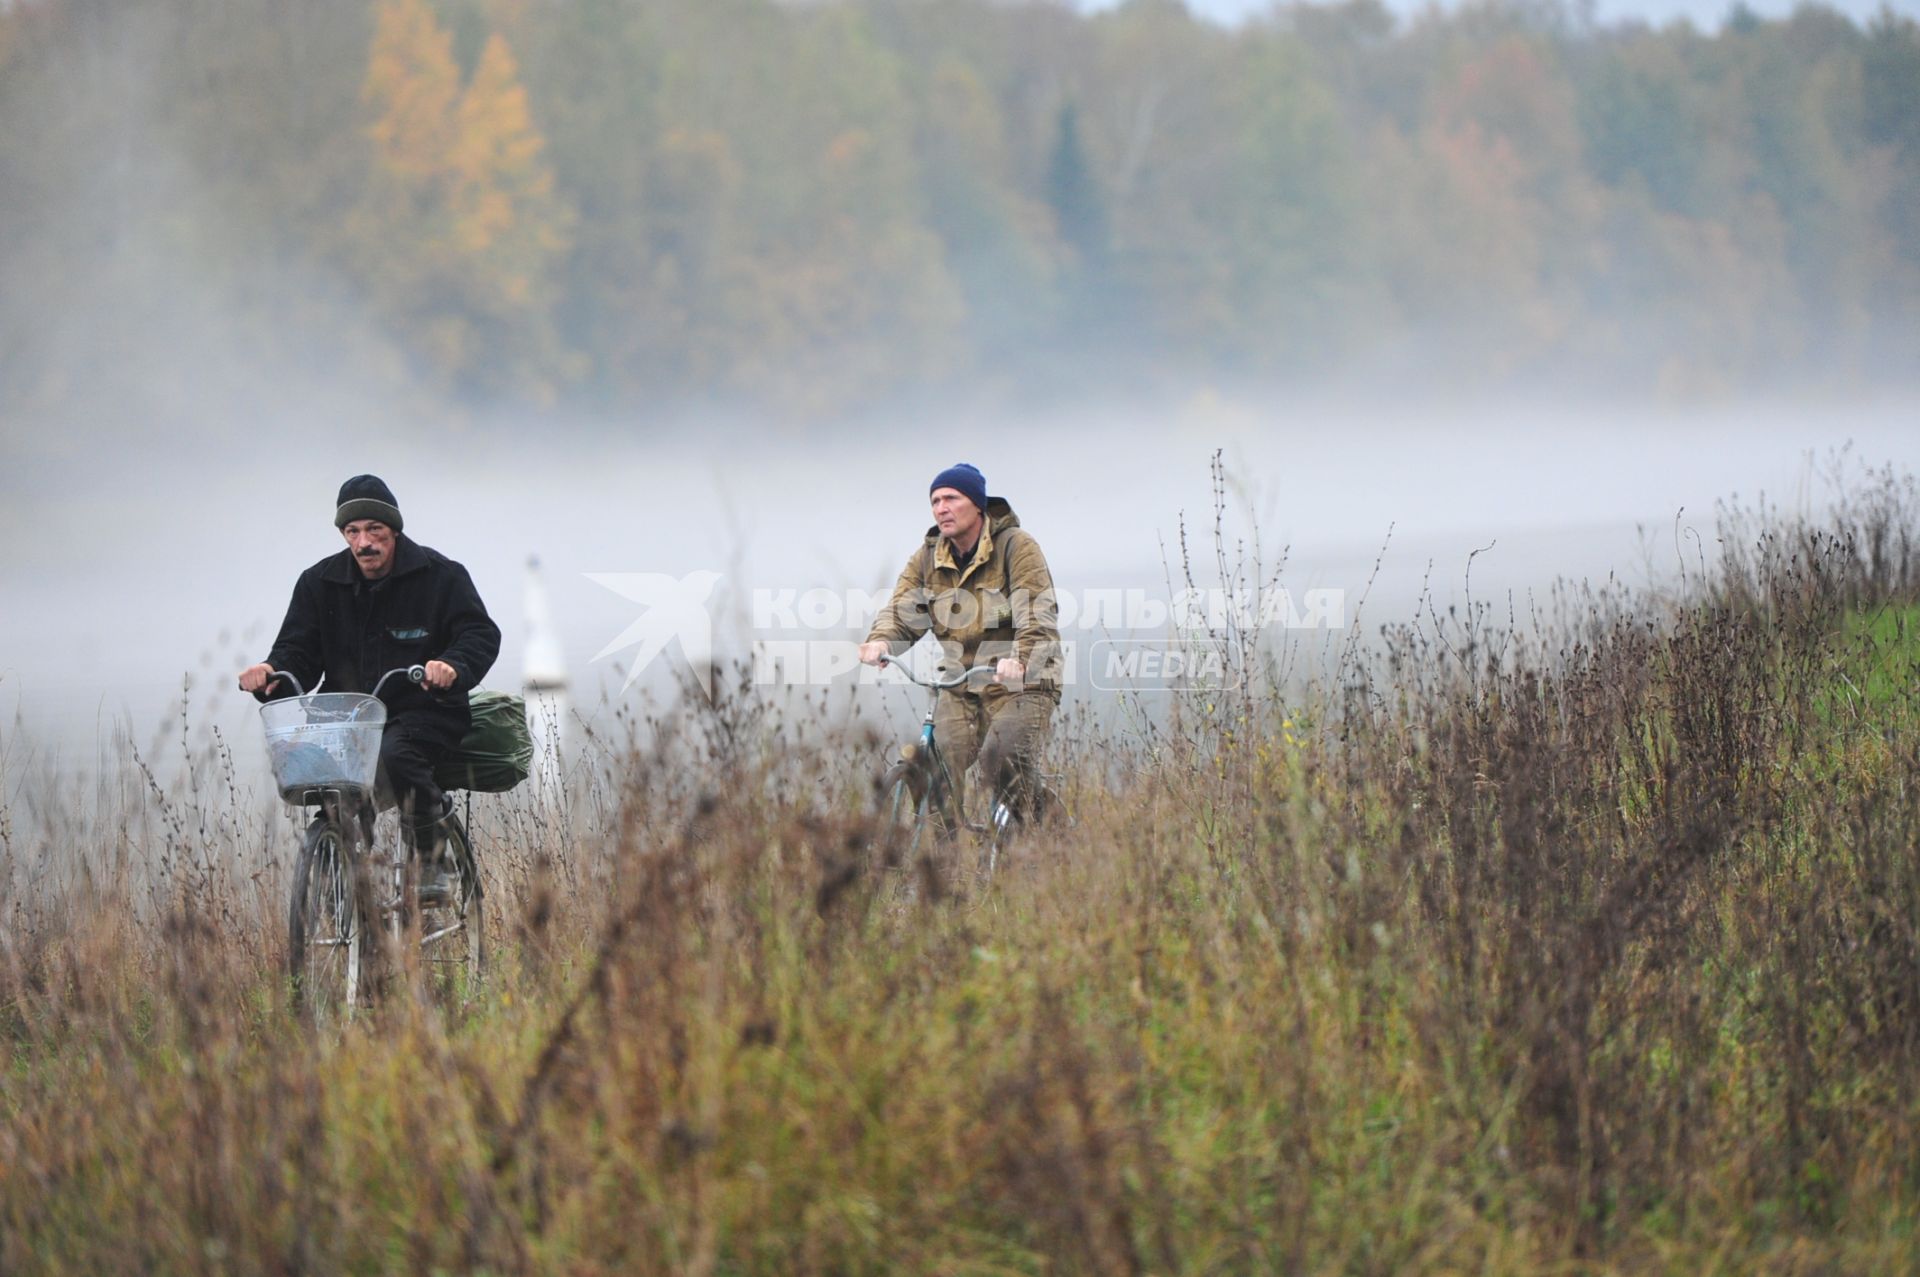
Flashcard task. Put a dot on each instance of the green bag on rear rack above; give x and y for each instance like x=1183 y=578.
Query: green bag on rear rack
x=497 y=752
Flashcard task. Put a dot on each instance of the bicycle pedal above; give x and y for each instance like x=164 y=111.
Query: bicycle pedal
x=438 y=891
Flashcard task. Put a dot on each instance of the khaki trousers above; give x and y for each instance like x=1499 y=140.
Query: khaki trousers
x=1005 y=732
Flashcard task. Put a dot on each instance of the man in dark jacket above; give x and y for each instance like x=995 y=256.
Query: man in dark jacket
x=382 y=603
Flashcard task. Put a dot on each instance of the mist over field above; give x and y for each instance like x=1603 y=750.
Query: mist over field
x=138 y=570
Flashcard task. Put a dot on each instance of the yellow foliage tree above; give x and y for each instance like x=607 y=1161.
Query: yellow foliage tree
x=462 y=228
x=503 y=198
x=413 y=86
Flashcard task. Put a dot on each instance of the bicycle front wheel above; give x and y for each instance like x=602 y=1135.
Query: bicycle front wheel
x=903 y=816
x=330 y=935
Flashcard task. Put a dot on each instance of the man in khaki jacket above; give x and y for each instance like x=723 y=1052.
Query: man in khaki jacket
x=980 y=583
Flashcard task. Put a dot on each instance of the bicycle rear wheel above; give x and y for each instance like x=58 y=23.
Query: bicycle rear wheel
x=330 y=935
x=453 y=931
x=1007 y=823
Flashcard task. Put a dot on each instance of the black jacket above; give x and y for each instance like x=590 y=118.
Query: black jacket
x=354 y=630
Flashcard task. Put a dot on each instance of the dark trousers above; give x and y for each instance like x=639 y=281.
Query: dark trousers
x=408 y=751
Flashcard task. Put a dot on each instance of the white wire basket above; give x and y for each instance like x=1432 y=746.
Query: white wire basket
x=330 y=740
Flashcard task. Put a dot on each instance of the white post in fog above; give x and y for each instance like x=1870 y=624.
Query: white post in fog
x=544 y=683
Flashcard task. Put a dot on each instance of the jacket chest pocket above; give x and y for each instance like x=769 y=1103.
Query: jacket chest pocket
x=970 y=612
x=408 y=634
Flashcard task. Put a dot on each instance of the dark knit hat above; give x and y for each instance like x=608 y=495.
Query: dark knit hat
x=365 y=497
x=965 y=480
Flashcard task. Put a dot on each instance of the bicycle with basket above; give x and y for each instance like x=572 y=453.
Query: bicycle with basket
x=352 y=892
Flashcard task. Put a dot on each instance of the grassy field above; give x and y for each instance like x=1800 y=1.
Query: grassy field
x=1590 y=949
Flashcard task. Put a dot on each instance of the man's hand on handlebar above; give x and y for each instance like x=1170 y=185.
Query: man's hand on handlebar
x=1008 y=670
x=439 y=676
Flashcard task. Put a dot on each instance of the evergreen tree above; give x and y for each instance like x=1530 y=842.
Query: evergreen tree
x=1079 y=210
x=1891 y=92
x=1890 y=71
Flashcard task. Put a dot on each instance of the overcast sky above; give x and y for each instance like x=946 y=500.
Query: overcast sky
x=1704 y=13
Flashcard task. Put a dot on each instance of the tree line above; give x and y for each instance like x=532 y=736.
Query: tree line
x=615 y=203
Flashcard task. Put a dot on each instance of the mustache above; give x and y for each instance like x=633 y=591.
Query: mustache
x=371 y=552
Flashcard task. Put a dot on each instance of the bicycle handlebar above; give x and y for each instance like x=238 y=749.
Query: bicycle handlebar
x=277 y=675
x=414 y=673
x=936 y=681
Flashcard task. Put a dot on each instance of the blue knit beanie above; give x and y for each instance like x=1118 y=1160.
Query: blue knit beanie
x=965 y=480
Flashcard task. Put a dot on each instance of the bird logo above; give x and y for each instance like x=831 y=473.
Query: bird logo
x=676 y=608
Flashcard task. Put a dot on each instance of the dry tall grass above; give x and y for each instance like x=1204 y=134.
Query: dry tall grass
x=1588 y=947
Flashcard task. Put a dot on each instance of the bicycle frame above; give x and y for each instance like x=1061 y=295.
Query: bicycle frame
x=935 y=686
x=925 y=755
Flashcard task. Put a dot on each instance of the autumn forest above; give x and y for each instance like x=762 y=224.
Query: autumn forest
x=821 y=207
